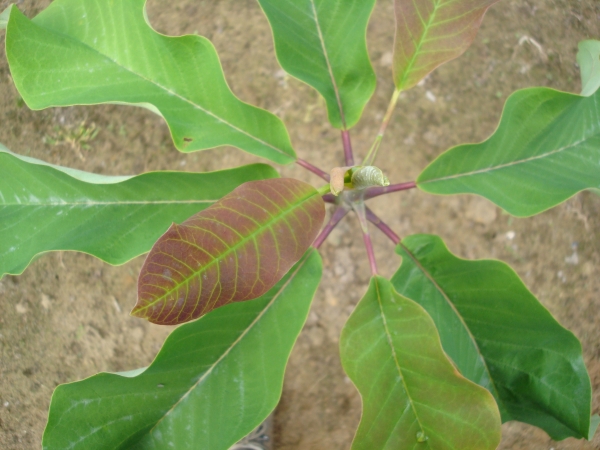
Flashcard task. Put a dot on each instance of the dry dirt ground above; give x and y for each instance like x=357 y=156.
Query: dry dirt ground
x=67 y=316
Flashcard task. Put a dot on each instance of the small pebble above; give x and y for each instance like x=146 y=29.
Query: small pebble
x=45 y=301
x=387 y=59
x=573 y=259
x=510 y=235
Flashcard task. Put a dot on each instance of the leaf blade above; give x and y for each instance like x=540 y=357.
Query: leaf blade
x=588 y=59
x=411 y=393
x=500 y=336
x=323 y=43
x=46 y=208
x=213 y=361
x=235 y=250
x=426 y=37
x=92 y=52
x=544 y=151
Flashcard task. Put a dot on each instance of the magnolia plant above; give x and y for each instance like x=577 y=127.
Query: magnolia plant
x=442 y=353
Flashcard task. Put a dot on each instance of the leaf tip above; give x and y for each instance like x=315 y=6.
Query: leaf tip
x=4 y=16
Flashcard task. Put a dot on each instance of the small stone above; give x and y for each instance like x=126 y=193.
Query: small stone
x=45 y=301
x=6 y=404
x=386 y=59
x=573 y=259
x=21 y=309
x=510 y=235
x=332 y=301
x=430 y=96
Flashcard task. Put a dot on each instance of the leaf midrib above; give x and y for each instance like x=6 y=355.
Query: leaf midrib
x=509 y=164
x=182 y=98
x=395 y=356
x=108 y=203
x=328 y=62
x=229 y=250
x=411 y=63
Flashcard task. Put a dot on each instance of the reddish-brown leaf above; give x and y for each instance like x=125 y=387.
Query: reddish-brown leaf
x=432 y=32
x=235 y=250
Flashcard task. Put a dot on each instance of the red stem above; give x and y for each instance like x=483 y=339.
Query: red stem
x=382 y=190
x=337 y=215
x=360 y=209
x=375 y=220
x=370 y=253
x=314 y=169
x=348 y=155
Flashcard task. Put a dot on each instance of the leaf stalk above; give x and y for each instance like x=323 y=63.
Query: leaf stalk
x=370 y=158
x=360 y=210
x=383 y=227
x=336 y=217
x=382 y=190
x=348 y=154
x=312 y=168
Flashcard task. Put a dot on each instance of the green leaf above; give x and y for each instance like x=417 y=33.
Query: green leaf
x=588 y=59
x=4 y=18
x=594 y=422
x=100 y=51
x=411 y=393
x=500 y=336
x=323 y=43
x=46 y=208
x=546 y=149
x=235 y=250
x=212 y=383
x=430 y=33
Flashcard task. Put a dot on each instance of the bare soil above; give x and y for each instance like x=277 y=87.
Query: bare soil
x=66 y=317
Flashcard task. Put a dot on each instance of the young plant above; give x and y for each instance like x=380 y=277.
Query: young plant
x=442 y=353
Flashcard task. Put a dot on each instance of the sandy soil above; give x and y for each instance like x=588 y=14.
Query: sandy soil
x=67 y=316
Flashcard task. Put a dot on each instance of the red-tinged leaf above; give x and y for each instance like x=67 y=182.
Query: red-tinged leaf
x=432 y=32
x=235 y=250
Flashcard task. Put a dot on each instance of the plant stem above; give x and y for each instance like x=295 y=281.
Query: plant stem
x=314 y=169
x=370 y=158
x=348 y=155
x=370 y=253
x=360 y=209
x=382 y=190
x=375 y=220
x=337 y=215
